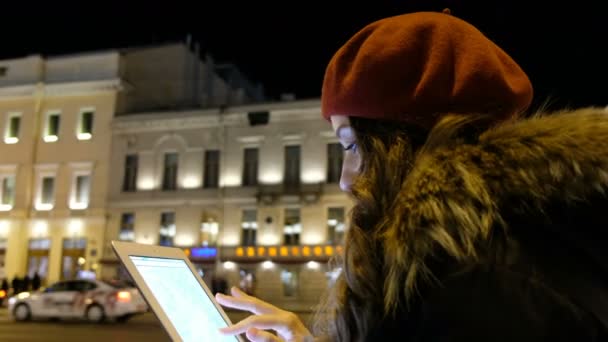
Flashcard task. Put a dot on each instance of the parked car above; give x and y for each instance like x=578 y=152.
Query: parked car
x=93 y=300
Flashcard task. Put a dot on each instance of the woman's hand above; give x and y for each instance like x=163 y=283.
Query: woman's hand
x=266 y=316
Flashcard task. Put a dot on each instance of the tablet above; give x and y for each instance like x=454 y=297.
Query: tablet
x=175 y=292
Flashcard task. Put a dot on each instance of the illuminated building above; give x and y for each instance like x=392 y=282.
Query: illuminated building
x=250 y=192
x=56 y=123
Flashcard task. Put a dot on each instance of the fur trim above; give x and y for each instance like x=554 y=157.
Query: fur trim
x=452 y=198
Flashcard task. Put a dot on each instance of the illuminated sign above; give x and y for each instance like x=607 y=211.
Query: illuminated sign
x=203 y=252
x=318 y=251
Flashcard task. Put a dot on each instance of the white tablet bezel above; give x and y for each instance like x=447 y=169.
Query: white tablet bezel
x=125 y=249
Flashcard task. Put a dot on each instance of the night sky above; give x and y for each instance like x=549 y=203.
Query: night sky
x=286 y=45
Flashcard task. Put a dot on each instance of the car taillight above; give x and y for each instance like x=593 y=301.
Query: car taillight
x=123 y=296
x=2 y=293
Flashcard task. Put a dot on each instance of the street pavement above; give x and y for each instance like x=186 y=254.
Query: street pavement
x=141 y=328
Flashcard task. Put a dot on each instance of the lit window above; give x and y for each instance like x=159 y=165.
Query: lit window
x=8 y=193
x=292 y=228
x=85 y=125
x=167 y=229
x=247 y=281
x=53 y=121
x=335 y=225
x=289 y=279
x=46 y=194
x=249 y=225
x=209 y=231
x=13 y=126
x=81 y=191
x=127 y=227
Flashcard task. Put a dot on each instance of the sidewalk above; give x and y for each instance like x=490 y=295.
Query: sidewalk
x=4 y=315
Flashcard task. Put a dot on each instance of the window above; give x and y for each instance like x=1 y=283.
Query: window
x=8 y=193
x=209 y=231
x=292 y=166
x=81 y=190
x=57 y=287
x=85 y=125
x=247 y=281
x=13 y=126
x=293 y=227
x=52 y=127
x=167 y=229
x=250 y=167
x=8 y=190
x=212 y=169
x=127 y=227
x=81 y=286
x=249 y=223
x=289 y=279
x=170 y=171
x=39 y=244
x=335 y=154
x=131 y=164
x=47 y=193
x=335 y=225
x=75 y=243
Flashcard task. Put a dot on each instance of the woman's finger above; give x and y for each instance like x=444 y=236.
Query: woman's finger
x=278 y=323
x=257 y=335
x=242 y=301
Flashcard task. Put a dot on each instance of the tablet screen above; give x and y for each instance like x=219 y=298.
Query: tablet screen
x=182 y=298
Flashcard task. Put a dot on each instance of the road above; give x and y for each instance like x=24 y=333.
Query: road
x=142 y=328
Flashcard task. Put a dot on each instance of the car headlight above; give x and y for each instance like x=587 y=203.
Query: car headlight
x=23 y=295
x=12 y=301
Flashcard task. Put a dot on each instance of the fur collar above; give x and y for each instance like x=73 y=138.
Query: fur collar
x=452 y=198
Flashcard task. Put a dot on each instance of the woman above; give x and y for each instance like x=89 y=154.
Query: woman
x=471 y=223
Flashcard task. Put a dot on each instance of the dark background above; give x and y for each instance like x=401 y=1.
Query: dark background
x=286 y=45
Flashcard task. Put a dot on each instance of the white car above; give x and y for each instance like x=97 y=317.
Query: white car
x=92 y=300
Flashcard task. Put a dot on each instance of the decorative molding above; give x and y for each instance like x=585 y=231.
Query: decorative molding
x=293 y=137
x=176 y=203
x=46 y=167
x=82 y=88
x=253 y=139
x=18 y=91
x=62 y=88
x=88 y=165
x=171 y=137
x=8 y=168
x=328 y=134
x=165 y=121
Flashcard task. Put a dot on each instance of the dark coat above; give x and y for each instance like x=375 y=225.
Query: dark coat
x=513 y=228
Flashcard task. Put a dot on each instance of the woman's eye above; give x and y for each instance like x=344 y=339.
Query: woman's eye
x=351 y=147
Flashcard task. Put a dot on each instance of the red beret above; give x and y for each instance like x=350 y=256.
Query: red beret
x=415 y=67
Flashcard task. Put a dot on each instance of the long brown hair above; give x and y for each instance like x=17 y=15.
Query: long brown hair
x=355 y=303
x=361 y=300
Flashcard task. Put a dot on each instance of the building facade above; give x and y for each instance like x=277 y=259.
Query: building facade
x=250 y=192
x=55 y=119
x=56 y=123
